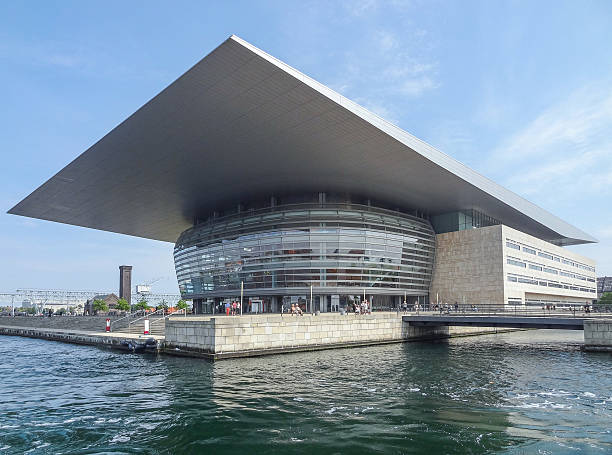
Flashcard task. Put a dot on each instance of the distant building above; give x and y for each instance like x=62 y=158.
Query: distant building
x=110 y=300
x=604 y=284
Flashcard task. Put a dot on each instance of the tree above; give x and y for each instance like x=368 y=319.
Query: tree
x=162 y=305
x=181 y=304
x=99 y=305
x=123 y=305
x=71 y=310
x=142 y=305
x=605 y=299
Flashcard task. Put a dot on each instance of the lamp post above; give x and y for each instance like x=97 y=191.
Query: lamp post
x=311 y=307
x=241 y=295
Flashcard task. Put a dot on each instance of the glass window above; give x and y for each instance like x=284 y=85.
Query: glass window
x=513 y=245
x=517 y=263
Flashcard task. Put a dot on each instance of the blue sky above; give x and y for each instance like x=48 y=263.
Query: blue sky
x=519 y=91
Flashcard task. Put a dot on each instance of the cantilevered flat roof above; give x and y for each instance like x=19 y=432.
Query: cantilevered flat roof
x=242 y=124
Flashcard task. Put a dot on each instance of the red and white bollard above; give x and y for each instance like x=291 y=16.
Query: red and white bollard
x=146 y=326
x=108 y=324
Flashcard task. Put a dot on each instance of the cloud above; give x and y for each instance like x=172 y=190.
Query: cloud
x=416 y=87
x=361 y=7
x=569 y=145
x=386 y=69
x=562 y=160
x=77 y=59
x=605 y=232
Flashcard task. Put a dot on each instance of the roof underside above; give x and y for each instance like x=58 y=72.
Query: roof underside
x=242 y=124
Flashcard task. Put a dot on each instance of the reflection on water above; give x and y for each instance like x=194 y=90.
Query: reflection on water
x=510 y=393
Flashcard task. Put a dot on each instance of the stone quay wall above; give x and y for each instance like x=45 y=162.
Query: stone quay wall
x=220 y=337
x=85 y=323
x=598 y=335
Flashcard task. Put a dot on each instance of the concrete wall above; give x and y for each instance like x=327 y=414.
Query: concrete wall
x=88 y=323
x=235 y=336
x=598 y=335
x=469 y=267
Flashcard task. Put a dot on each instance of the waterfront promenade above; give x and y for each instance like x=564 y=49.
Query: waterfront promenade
x=87 y=337
x=217 y=337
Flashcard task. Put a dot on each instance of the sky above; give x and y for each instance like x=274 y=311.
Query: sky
x=519 y=91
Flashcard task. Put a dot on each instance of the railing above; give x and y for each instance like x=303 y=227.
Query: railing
x=146 y=316
x=174 y=313
x=508 y=310
x=114 y=323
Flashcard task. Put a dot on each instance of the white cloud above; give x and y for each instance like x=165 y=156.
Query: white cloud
x=569 y=145
x=562 y=160
x=418 y=86
x=361 y=7
x=385 y=70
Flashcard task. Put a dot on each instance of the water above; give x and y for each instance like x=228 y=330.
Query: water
x=527 y=392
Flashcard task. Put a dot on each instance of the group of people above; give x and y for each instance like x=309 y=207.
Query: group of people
x=363 y=307
x=295 y=309
x=232 y=308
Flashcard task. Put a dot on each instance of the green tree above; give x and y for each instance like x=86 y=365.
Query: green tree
x=605 y=299
x=181 y=304
x=123 y=305
x=99 y=305
x=142 y=305
x=162 y=305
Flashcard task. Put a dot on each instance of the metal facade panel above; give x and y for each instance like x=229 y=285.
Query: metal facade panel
x=240 y=124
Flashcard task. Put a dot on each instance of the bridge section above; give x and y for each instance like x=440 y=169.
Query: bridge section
x=519 y=322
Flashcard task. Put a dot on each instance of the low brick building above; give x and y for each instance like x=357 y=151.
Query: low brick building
x=110 y=300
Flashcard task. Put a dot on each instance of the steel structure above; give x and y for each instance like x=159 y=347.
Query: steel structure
x=242 y=124
x=40 y=298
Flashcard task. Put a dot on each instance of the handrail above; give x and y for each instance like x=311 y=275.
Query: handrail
x=180 y=311
x=144 y=317
x=129 y=315
x=581 y=311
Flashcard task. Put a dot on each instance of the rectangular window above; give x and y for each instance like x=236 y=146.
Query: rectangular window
x=529 y=250
x=545 y=255
x=513 y=245
x=535 y=267
x=553 y=271
x=517 y=263
x=512 y=278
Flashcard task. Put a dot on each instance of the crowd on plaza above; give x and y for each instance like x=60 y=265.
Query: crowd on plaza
x=230 y=308
x=362 y=308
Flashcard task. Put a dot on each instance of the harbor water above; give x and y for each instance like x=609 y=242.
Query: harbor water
x=515 y=393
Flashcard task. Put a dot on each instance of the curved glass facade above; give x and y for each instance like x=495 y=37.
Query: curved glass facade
x=283 y=250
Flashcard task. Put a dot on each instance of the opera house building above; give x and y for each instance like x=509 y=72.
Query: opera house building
x=269 y=181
